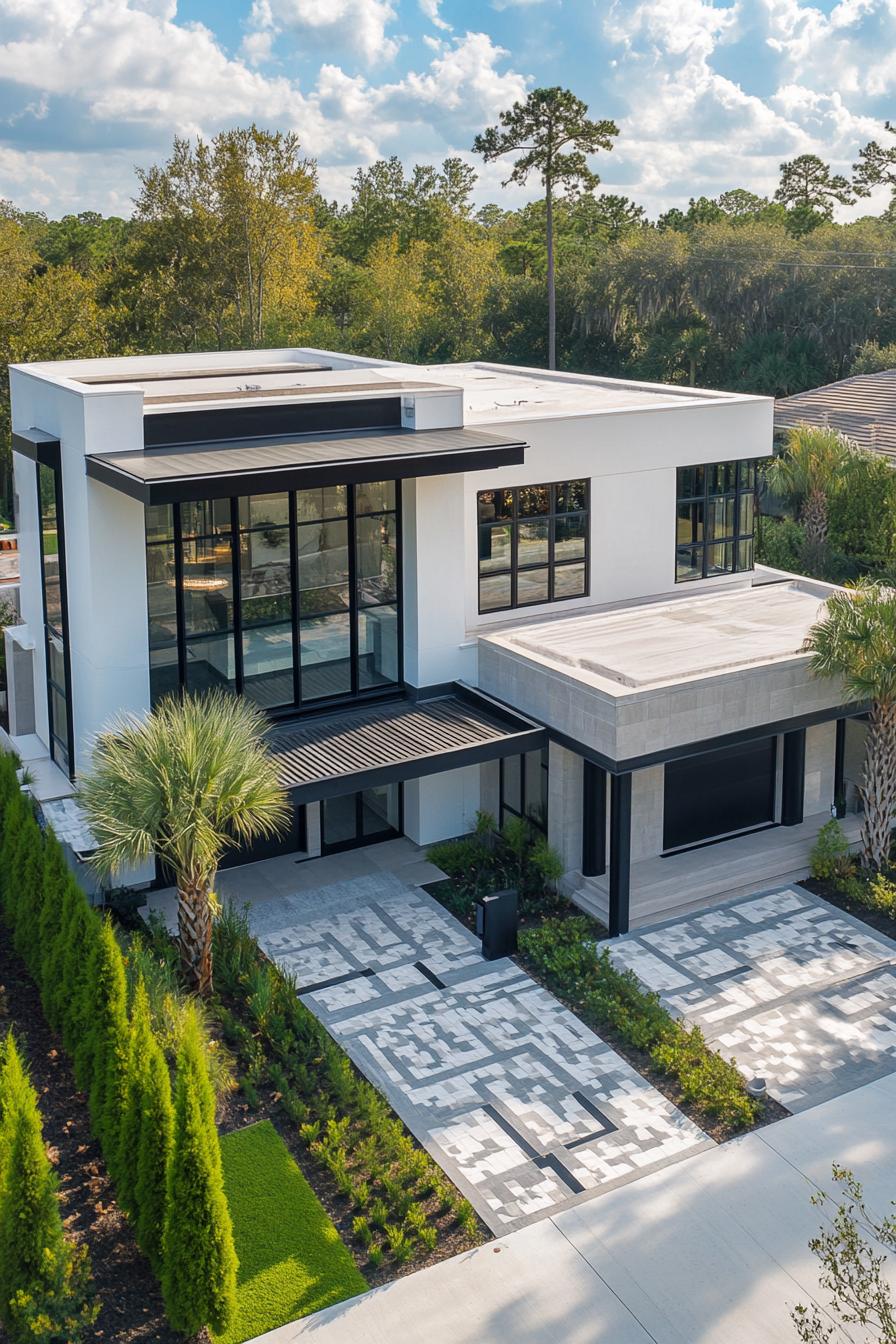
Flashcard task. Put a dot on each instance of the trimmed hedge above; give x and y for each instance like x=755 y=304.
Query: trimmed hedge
x=45 y=1281
x=78 y=966
x=563 y=955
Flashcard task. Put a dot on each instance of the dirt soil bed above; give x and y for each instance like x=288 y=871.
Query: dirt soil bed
x=828 y=891
x=129 y=1296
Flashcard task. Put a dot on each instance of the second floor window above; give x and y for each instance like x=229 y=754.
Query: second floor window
x=533 y=544
x=714 y=523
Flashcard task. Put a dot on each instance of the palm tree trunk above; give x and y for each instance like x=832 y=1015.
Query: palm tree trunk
x=194 y=931
x=878 y=787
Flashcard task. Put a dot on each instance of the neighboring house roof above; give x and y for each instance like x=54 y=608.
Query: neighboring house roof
x=863 y=408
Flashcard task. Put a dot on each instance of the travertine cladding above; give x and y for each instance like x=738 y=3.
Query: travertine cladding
x=623 y=722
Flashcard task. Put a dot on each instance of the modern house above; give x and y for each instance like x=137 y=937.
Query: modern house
x=451 y=588
x=862 y=407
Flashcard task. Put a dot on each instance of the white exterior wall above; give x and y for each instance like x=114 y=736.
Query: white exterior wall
x=436 y=648
x=104 y=554
x=439 y=807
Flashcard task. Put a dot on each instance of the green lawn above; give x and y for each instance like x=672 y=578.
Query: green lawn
x=292 y=1261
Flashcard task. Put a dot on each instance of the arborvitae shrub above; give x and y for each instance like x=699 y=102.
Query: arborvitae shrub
x=52 y=912
x=109 y=1037
x=155 y=1139
x=200 y=1264
x=30 y=893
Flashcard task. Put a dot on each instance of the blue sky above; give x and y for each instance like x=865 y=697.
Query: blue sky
x=707 y=95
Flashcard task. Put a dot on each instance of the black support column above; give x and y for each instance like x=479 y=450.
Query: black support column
x=620 y=851
x=840 y=770
x=793 y=783
x=594 y=820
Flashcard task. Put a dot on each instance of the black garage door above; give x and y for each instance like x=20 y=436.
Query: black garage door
x=719 y=792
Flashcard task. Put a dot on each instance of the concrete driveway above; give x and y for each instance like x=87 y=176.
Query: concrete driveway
x=794 y=990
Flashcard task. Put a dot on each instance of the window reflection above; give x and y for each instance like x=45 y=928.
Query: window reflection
x=532 y=544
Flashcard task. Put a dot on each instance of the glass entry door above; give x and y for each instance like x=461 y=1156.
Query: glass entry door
x=362 y=818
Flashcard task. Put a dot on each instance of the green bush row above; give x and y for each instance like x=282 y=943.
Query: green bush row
x=162 y=1153
x=46 y=1289
x=564 y=956
x=831 y=861
x=394 y=1187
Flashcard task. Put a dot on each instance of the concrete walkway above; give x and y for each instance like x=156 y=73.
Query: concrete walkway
x=713 y=1250
x=796 y=991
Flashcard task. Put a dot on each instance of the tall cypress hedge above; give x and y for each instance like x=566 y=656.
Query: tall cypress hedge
x=155 y=1151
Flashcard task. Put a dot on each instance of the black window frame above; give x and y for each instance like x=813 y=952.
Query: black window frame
x=696 y=492
x=61 y=632
x=551 y=564
x=299 y=703
x=506 y=809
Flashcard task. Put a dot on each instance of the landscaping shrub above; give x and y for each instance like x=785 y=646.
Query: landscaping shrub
x=487 y=860
x=563 y=955
x=79 y=969
x=830 y=859
x=200 y=1265
x=877 y=892
x=348 y=1128
x=44 y=1281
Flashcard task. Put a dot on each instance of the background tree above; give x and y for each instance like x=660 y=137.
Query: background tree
x=855 y=641
x=876 y=166
x=186 y=784
x=225 y=238
x=806 y=474
x=552 y=133
x=807 y=183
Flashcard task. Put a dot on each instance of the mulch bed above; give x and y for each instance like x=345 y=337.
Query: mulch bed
x=828 y=891
x=234 y=1112
x=130 y=1300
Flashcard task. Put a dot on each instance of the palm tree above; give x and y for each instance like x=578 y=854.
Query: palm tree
x=856 y=640
x=806 y=473
x=186 y=784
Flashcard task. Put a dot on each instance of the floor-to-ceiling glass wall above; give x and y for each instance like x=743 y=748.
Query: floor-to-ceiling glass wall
x=292 y=599
x=52 y=554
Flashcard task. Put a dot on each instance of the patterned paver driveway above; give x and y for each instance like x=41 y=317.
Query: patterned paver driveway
x=524 y=1107
x=795 y=991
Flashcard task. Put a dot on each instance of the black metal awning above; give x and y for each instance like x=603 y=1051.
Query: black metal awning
x=216 y=470
x=359 y=749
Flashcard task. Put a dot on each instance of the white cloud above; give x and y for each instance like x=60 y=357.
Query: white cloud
x=430 y=10
x=358 y=26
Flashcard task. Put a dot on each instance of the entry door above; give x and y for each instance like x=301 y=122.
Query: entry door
x=355 y=819
x=719 y=793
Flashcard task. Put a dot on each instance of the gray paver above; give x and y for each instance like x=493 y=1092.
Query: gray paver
x=794 y=990
x=525 y=1108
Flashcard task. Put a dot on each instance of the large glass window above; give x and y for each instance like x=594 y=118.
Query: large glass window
x=52 y=554
x=714 y=520
x=287 y=598
x=524 y=788
x=533 y=544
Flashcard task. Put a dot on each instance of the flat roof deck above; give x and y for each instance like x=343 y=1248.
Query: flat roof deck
x=641 y=647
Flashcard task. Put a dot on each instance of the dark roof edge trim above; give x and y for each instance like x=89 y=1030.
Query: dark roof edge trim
x=37 y=445
x=271 y=480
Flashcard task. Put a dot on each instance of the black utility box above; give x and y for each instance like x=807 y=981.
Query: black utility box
x=497 y=918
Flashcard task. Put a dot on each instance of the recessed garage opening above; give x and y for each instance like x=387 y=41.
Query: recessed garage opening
x=719 y=793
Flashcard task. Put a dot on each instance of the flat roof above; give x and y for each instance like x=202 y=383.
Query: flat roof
x=293 y=462
x=638 y=648
x=357 y=749
x=862 y=407
x=492 y=393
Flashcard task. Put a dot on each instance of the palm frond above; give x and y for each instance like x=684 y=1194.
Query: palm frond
x=189 y=782
x=856 y=641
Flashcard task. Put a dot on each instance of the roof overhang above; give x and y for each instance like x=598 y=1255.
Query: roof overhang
x=258 y=466
x=407 y=739
x=37 y=445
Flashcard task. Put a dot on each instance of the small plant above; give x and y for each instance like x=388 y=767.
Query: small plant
x=428 y=1237
x=361 y=1229
x=379 y=1213
x=310 y=1132
x=466 y=1217
x=400 y=1245
x=880 y=894
x=375 y=1256
x=830 y=860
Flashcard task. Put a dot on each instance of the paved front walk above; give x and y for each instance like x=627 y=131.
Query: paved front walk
x=709 y=1251
x=796 y=991
x=525 y=1108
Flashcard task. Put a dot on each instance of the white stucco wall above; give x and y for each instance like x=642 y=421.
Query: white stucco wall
x=439 y=807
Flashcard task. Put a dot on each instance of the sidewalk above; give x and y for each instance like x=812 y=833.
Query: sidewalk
x=711 y=1250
